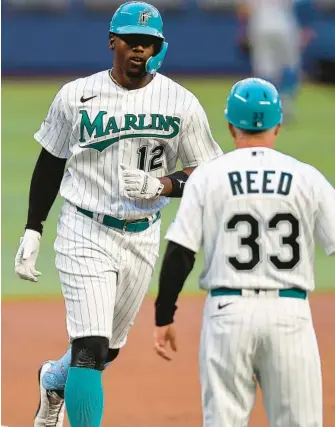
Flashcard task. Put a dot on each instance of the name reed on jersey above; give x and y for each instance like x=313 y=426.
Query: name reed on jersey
x=145 y=126
x=260 y=182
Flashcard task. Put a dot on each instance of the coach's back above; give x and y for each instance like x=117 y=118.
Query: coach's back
x=260 y=210
x=255 y=210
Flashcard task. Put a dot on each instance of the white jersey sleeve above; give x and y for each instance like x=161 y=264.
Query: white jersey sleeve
x=325 y=215
x=55 y=131
x=187 y=228
x=196 y=142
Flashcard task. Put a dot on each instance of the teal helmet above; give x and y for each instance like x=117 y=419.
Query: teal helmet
x=137 y=17
x=254 y=104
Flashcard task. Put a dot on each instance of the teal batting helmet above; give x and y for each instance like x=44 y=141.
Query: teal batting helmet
x=137 y=17
x=254 y=104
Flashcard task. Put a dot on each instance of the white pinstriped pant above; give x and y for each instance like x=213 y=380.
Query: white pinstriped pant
x=104 y=274
x=264 y=337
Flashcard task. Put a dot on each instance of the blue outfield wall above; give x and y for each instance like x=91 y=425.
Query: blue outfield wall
x=76 y=41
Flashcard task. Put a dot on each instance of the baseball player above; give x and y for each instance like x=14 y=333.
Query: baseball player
x=110 y=142
x=254 y=211
x=277 y=32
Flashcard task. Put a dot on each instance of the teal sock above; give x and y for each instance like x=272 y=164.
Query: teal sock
x=84 y=397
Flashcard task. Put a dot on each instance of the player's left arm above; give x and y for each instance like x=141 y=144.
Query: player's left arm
x=174 y=183
x=185 y=238
x=196 y=146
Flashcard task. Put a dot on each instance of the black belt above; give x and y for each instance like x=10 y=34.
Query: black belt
x=284 y=293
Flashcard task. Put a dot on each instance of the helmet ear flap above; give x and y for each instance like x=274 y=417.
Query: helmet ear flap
x=155 y=62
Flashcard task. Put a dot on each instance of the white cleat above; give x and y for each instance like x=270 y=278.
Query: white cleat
x=51 y=409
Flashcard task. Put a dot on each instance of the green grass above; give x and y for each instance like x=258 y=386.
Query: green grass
x=24 y=105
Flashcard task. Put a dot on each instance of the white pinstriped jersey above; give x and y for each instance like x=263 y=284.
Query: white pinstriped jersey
x=99 y=125
x=255 y=212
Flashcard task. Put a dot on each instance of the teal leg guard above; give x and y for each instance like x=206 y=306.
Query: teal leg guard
x=84 y=397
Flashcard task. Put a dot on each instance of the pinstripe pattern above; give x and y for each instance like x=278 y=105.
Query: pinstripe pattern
x=266 y=337
x=208 y=204
x=92 y=179
x=262 y=336
x=103 y=273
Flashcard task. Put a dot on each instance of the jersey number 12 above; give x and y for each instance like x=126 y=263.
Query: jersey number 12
x=153 y=160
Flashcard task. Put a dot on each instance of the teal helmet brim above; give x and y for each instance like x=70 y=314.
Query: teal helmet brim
x=136 y=29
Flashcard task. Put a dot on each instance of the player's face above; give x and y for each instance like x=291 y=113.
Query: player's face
x=132 y=52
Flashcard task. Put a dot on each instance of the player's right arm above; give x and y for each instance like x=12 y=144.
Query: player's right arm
x=47 y=175
x=196 y=146
x=325 y=215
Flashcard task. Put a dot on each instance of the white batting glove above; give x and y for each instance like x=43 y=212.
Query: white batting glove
x=139 y=185
x=27 y=255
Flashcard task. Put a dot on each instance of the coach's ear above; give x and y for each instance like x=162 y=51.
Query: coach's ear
x=232 y=130
x=111 y=41
x=277 y=129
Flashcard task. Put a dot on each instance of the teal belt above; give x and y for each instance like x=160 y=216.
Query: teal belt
x=122 y=224
x=285 y=293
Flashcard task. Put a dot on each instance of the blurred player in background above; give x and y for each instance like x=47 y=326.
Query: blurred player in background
x=275 y=32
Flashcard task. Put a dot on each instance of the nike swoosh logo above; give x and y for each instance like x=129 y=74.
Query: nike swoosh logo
x=82 y=99
x=223 y=305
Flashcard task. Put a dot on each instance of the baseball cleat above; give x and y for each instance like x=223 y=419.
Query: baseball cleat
x=51 y=408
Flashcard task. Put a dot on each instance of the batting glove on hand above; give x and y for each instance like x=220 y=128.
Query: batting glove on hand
x=27 y=255
x=139 y=185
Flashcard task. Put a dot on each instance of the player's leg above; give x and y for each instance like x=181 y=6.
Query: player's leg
x=88 y=280
x=139 y=252
x=55 y=376
x=289 y=367
x=228 y=343
x=84 y=397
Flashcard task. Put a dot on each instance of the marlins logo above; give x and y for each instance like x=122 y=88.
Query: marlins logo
x=144 y=17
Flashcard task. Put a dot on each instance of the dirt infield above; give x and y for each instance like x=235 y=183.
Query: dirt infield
x=141 y=389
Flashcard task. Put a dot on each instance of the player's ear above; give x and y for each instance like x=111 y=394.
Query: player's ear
x=277 y=129
x=111 y=41
x=232 y=130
